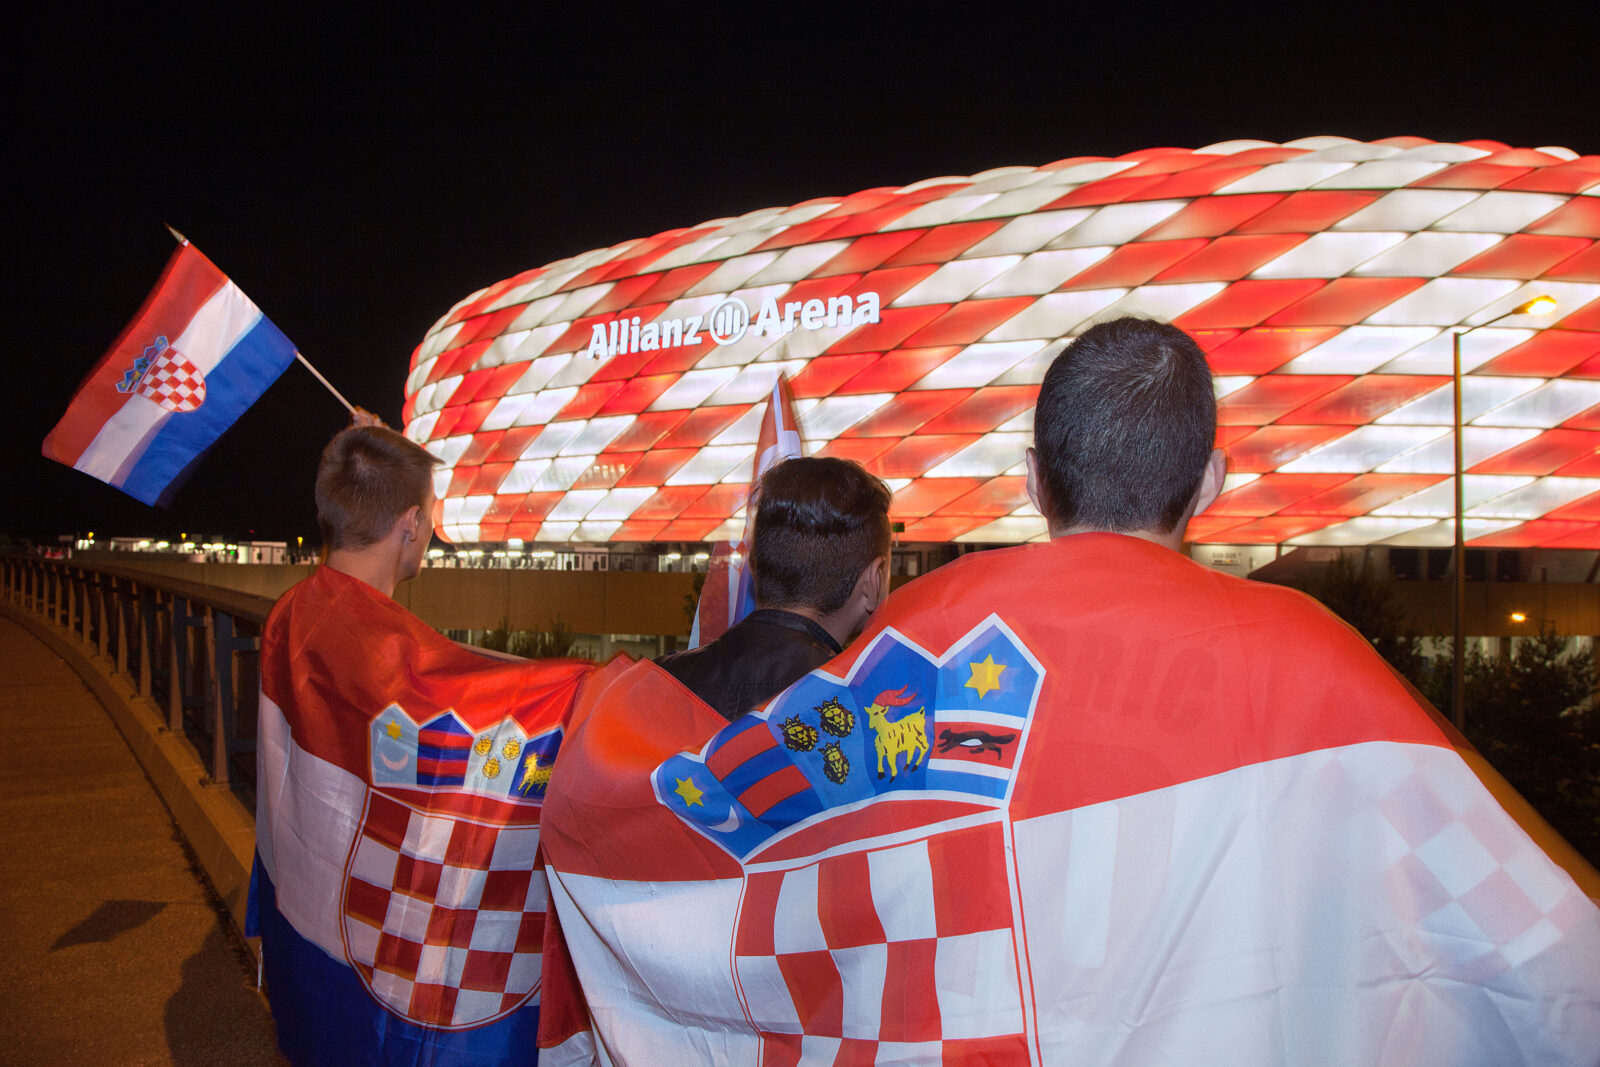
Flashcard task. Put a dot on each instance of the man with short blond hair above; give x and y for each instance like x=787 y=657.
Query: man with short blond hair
x=399 y=788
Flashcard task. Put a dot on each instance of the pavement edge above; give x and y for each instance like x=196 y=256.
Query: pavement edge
x=219 y=829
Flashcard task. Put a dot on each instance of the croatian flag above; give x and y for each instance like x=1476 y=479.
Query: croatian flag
x=191 y=361
x=398 y=891
x=1172 y=817
x=728 y=594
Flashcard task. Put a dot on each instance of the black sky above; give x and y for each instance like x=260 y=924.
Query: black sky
x=357 y=174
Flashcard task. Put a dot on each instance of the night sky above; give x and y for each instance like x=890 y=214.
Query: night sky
x=356 y=175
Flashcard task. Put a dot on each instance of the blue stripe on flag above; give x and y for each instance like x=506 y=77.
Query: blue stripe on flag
x=232 y=385
x=324 y=1013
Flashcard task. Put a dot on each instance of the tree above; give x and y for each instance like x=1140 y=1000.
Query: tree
x=1535 y=717
x=1351 y=591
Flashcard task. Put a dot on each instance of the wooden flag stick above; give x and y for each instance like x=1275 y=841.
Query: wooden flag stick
x=315 y=373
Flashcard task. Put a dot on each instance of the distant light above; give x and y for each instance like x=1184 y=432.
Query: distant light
x=1517 y=616
x=513 y=542
x=435 y=553
x=1539 y=305
x=701 y=557
x=672 y=557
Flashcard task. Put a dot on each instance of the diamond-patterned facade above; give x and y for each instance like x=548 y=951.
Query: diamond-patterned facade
x=616 y=395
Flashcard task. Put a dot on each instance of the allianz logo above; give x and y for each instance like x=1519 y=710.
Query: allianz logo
x=729 y=321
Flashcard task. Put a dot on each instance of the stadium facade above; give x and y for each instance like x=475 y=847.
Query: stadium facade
x=616 y=396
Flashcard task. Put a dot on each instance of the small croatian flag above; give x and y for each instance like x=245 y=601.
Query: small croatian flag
x=195 y=356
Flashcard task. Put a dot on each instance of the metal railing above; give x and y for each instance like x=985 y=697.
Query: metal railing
x=192 y=650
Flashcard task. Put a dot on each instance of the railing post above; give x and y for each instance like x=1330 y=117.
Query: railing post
x=147 y=637
x=120 y=595
x=177 y=639
x=102 y=632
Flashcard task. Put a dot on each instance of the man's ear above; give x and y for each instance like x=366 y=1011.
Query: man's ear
x=872 y=584
x=1031 y=458
x=410 y=522
x=1211 y=481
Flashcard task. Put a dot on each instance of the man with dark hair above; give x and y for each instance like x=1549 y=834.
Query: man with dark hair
x=1082 y=801
x=820 y=566
x=400 y=779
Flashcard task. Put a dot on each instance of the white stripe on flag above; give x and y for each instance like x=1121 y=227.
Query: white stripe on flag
x=304 y=843
x=206 y=340
x=689 y=923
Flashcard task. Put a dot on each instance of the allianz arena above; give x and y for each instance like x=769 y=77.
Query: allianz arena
x=616 y=396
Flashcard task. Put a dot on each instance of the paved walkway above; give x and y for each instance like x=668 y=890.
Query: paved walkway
x=113 y=952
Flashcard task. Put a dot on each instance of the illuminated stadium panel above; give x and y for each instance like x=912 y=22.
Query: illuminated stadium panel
x=616 y=395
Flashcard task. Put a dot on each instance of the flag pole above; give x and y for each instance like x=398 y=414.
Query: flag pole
x=315 y=373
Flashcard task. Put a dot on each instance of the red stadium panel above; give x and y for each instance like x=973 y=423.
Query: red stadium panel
x=1247 y=303
x=1229 y=257
x=1281 y=259
x=897 y=370
x=1213 y=216
x=1364 y=399
x=1364 y=493
x=1212 y=528
x=825 y=375
x=941 y=527
x=913 y=457
x=1539 y=532
x=1272 y=446
x=1522 y=255
x=657 y=467
x=1587 y=509
x=1268 y=398
x=927 y=495
x=1134 y=264
x=1308 y=212
x=1547 y=354
x=648 y=429
x=1583 y=267
x=943 y=243
x=996 y=497
x=1542 y=455
x=1264 y=348
x=870 y=251
x=1273 y=492
x=1275 y=529
x=669 y=502
x=636 y=395
x=908 y=412
x=967 y=322
x=700 y=427
x=985 y=410
x=1345 y=300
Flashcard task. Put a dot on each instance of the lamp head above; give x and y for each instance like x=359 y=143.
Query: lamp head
x=1539 y=305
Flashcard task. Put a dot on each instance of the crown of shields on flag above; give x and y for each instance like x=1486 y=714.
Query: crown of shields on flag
x=165 y=375
x=869 y=814
x=443 y=912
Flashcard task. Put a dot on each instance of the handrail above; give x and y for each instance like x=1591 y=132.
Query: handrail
x=191 y=649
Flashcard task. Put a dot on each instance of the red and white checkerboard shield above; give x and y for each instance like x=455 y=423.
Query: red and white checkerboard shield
x=900 y=949
x=443 y=916
x=173 y=382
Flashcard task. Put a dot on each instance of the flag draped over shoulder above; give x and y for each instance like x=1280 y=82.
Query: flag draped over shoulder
x=400 y=783
x=728 y=594
x=191 y=361
x=1159 y=815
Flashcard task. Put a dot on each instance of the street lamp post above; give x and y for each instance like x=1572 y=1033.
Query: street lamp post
x=1539 y=305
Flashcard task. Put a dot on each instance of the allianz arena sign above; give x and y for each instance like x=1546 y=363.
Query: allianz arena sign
x=616 y=395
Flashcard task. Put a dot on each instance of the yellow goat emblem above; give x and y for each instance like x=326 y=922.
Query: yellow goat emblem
x=906 y=736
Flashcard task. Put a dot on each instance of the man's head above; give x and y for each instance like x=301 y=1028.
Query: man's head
x=370 y=480
x=1124 y=431
x=821 y=525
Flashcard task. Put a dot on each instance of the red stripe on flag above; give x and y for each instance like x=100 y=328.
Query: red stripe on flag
x=773 y=790
x=186 y=283
x=910 y=992
x=746 y=746
x=847 y=920
x=817 y=991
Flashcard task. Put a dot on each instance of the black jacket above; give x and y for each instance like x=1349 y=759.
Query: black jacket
x=755 y=660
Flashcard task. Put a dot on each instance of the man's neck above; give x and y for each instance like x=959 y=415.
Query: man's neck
x=838 y=628
x=1173 y=540
x=371 y=565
